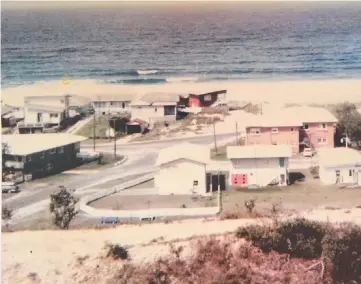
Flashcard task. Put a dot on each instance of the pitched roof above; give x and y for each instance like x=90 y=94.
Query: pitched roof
x=259 y=151
x=333 y=157
x=189 y=151
x=309 y=114
x=6 y=109
x=38 y=142
x=273 y=120
x=160 y=97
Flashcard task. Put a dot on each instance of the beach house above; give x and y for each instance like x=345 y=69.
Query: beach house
x=112 y=104
x=37 y=155
x=182 y=169
x=339 y=166
x=258 y=165
x=318 y=126
x=209 y=99
x=273 y=129
x=155 y=107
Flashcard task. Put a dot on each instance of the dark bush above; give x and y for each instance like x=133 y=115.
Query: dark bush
x=116 y=251
x=342 y=249
x=301 y=238
x=262 y=237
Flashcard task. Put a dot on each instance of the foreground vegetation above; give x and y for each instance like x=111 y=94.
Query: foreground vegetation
x=297 y=251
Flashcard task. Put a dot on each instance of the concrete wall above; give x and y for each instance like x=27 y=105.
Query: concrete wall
x=260 y=172
x=316 y=135
x=177 y=178
x=284 y=136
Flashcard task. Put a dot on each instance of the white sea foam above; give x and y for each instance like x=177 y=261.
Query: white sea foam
x=147 y=72
x=181 y=79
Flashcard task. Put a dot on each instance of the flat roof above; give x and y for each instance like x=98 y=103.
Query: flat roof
x=309 y=114
x=26 y=144
x=189 y=151
x=259 y=151
x=341 y=156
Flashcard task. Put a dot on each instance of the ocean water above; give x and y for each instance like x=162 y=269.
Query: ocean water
x=160 y=44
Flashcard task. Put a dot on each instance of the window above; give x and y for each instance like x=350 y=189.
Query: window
x=207 y=98
x=322 y=126
x=52 y=151
x=29 y=158
x=292 y=129
x=61 y=150
x=54 y=115
x=282 y=162
x=42 y=155
x=350 y=173
x=155 y=109
x=169 y=110
x=322 y=141
x=255 y=131
x=195 y=183
x=123 y=104
x=274 y=130
x=305 y=126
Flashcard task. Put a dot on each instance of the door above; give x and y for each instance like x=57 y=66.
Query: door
x=222 y=181
x=208 y=183
x=214 y=182
x=40 y=117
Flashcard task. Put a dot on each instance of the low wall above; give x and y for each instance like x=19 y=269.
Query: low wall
x=156 y=212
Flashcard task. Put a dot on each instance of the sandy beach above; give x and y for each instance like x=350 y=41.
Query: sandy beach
x=279 y=92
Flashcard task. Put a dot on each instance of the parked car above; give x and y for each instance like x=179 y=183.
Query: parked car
x=152 y=218
x=307 y=152
x=11 y=187
x=110 y=220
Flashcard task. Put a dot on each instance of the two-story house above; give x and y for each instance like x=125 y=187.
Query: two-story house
x=318 y=126
x=112 y=105
x=155 y=107
x=273 y=129
x=41 y=154
x=258 y=165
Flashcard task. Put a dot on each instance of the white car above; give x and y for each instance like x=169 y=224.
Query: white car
x=11 y=187
x=307 y=152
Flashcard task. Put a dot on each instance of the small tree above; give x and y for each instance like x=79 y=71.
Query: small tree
x=349 y=120
x=5 y=150
x=6 y=215
x=62 y=207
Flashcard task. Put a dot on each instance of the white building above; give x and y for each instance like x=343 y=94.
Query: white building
x=114 y=105
x=45 y=109
x=182 y=169
x=155 y=107
x=258 y=165
x=339 y=166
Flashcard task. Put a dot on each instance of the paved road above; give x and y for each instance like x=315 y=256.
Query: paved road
x=141 y=158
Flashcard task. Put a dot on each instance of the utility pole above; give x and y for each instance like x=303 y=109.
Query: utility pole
x=94 y=122
x=115 y=138
x=236 y=133
x=214 y=135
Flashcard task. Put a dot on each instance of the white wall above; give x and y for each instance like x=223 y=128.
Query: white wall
x=177 y=177
x=111 y=107
x=31 y=116
x=260 y=171
x=49 y=101
x=328 y=174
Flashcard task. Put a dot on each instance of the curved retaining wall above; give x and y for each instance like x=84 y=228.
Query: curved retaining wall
x=156 y=212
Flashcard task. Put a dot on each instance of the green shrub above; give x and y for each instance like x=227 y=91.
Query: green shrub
x=342 y=249
x=116 y=251
x=301 y=238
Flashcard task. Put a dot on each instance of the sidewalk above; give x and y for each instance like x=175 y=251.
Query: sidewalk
x=79 y=125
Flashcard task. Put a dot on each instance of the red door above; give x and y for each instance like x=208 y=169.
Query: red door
x=239 y=179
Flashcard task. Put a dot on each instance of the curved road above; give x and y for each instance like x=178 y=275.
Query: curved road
x=141 y=159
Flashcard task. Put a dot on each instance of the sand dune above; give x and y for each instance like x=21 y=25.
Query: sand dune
x=311 y=91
